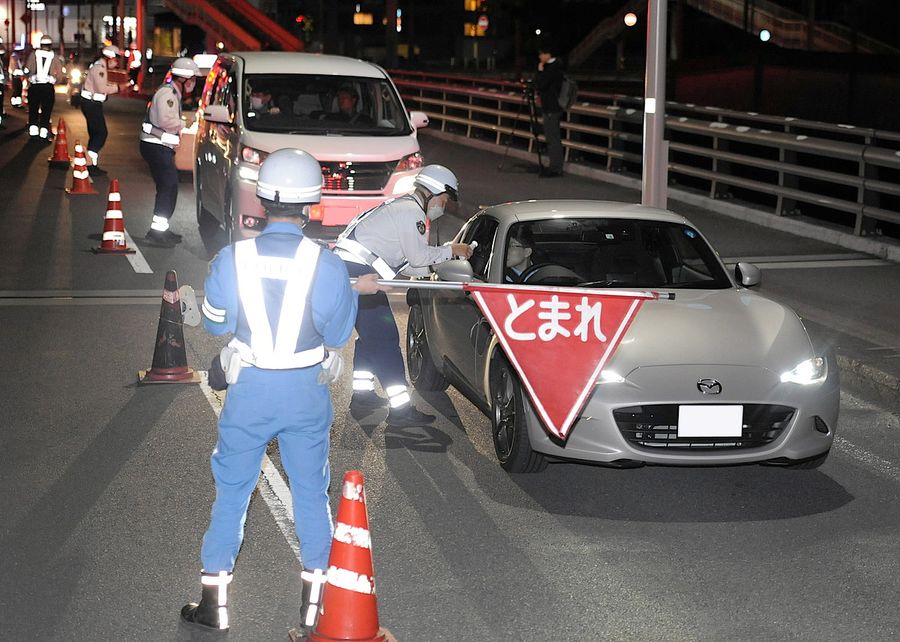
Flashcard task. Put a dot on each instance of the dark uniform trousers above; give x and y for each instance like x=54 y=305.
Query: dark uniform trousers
x=161 y=160
x=96 y=124
x=377 y=348
x=41 y=98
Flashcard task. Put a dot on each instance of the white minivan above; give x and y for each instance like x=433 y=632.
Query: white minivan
x=347 y=113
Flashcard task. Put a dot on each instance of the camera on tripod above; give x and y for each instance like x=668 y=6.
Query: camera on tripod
x=528 y=100
x=527 y=85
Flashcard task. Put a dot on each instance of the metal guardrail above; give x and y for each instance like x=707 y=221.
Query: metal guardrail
x=851 y=174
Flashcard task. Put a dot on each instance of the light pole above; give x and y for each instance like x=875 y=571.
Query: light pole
x=656 y=149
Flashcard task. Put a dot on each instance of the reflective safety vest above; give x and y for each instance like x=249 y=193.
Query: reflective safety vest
x=348 y=248
x=43 y=60
x=264 y=350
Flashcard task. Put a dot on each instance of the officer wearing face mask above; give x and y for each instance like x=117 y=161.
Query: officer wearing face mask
x=390 y=239
x=160 y=135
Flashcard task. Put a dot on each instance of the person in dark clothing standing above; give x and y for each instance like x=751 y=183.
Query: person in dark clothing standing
x=548 y=84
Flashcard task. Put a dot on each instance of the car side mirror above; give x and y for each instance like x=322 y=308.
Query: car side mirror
x=747 y=274
x=419 y=119
x=454 y=270
x=218 y=114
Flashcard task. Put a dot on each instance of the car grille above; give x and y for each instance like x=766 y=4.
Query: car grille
x=656 y=426
x=356 y=177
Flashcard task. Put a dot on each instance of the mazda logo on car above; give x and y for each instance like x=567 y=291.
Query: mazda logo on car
x=709 y=386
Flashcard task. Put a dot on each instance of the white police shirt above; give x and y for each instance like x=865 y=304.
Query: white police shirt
x=395 y=232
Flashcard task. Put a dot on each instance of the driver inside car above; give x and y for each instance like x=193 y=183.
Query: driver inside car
x=519 y=250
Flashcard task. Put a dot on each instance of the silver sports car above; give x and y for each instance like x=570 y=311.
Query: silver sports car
x=710 y=373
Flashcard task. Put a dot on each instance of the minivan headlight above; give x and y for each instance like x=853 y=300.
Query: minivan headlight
x=807 y=372
x=413 y=161
x=251 y=155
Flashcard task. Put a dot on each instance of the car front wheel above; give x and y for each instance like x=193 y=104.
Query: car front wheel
x=508 y=425
x=422 y=371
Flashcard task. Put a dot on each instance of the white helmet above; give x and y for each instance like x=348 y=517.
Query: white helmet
x=437 y=179
x=46 y=42
x=110 y=51
x=290 y=176
x=185 y=68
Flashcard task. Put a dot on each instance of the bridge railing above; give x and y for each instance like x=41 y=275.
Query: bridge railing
x=843 y=174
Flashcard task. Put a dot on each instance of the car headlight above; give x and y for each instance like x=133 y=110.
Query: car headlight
x=807 y=372
x=255 y=156
x=413 y=161
x=609 y=376
x=75 y=76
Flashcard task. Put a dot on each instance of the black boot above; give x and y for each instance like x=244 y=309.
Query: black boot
x=366 y=401
x=408 y=415
x=212 y=612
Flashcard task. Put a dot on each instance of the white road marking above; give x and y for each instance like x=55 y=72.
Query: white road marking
x=137 y=260
x=874 y=462
x=272 y=487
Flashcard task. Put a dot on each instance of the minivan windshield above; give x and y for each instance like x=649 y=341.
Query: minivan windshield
x=323 y=105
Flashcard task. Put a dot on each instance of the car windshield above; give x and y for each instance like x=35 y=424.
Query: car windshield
x=323 y=105
x=609 y=252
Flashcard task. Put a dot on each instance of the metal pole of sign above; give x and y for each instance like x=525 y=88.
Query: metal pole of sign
x=459 y=285
x=656 y=150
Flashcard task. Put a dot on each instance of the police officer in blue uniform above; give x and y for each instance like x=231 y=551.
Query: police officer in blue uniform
x=160 y=135
x=290 y=306
x=390 y=239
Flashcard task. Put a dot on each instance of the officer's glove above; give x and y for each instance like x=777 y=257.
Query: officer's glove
x=331 y=368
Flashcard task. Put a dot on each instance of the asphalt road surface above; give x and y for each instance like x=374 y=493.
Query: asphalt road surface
x=105 y=486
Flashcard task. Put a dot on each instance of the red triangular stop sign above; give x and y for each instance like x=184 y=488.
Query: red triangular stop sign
x=558 y=340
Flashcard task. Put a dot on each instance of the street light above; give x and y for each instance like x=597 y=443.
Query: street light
x=630 y=19
x=765 y=35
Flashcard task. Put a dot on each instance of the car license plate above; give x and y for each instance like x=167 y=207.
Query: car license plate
x=710 y=421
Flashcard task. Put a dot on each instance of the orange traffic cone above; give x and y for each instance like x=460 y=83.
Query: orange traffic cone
x=60 y=156
x=81 y=184
x=113 y=240
x=349 y=609
x=169 y=359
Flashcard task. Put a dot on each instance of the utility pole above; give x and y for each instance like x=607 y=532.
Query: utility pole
x=656 y=150
x=390 y=34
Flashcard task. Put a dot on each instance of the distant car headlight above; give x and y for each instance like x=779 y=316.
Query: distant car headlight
x=807 y=372
x=75 y=76
x=255 y=156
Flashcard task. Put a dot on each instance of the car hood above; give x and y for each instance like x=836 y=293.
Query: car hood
x=733 y=327
x=360 y=149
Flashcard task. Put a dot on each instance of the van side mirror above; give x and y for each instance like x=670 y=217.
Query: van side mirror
x=419 y=119
x=218 y=114
x=747 y=274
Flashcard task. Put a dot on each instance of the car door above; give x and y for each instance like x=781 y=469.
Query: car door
x=460 y=326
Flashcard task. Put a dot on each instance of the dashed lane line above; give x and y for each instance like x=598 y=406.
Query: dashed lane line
x=272 y=487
